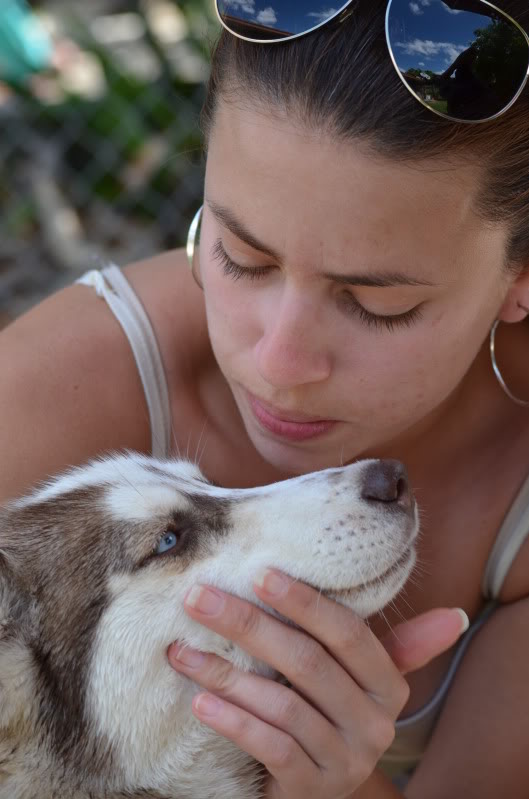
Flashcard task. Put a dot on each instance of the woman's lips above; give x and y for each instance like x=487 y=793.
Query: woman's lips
x=295 y=427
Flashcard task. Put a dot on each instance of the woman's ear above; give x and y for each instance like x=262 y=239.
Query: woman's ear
x=515 y=306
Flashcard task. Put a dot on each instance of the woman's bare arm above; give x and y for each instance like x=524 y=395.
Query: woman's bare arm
x=69 y=389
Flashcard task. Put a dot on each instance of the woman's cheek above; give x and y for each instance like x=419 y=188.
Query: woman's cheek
x=401 y=375
x=231 y=321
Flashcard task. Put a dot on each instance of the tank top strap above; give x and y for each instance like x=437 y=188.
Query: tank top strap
x=512 y=534
x=111 y=284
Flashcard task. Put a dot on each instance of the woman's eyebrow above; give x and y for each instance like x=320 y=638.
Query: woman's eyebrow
x=381 y=281
x=230 y=221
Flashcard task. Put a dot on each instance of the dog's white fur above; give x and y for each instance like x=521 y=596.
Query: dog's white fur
x=135 y=717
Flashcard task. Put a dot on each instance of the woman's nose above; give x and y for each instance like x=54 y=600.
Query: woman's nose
x=291 y=352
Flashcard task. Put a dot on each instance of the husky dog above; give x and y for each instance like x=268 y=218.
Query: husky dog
x=94 y=566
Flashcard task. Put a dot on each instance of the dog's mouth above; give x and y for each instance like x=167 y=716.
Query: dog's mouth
x=400 y=565
x=351 y=595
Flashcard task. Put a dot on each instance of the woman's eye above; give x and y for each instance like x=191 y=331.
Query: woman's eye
x=231 y=269
x=168 y=541
x=378 y=321
x=347 y=300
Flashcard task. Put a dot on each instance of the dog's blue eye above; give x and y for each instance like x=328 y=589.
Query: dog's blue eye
x=168 y=541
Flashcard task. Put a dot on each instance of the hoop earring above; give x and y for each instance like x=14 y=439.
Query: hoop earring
x=193 y=240
x=497 y=372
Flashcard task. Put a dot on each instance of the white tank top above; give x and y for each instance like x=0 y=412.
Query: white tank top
x=412 y=732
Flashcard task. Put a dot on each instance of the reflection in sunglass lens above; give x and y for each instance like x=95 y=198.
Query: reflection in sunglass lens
x=266 y=20
x=464 y=65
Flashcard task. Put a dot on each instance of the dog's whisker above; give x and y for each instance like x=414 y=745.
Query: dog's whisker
x=197 y=447
x=421 y=567
x=188 y=445
x=123 y=477
x=199 y=455
x=392 y=629
x=397 y=610
x=419 y=571
x=413 y=580
x=175 y=442
x=381 y=613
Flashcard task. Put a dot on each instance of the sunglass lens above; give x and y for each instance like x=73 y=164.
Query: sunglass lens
x=466 y=65
x=266 y=20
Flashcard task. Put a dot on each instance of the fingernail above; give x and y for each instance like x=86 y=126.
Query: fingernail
x=205 y=600
x=208 y=705
x=273 y=583
x=189 y=657
x=465 y=622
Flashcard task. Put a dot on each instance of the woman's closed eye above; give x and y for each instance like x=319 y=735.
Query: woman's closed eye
x=389 y=321
x=347 y=301
x=231 y=269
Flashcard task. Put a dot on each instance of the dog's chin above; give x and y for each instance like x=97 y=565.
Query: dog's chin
x=369 y=597
x=373 y=595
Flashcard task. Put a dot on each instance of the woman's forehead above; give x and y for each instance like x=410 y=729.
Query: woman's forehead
x=275 y=157
x=266 y=137
x=307 y=192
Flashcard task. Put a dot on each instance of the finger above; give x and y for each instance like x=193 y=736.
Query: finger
x=414 y=643
x=303 y=660
x=346 y=636
x=277 y=751
x=270 y=701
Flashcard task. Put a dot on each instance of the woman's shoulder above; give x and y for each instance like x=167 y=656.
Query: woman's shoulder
x=70 y=387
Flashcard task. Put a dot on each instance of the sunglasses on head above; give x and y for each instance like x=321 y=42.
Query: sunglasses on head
x=465 y=60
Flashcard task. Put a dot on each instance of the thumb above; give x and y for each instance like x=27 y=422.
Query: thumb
x=414 y=643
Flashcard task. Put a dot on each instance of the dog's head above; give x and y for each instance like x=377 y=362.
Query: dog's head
x=94 y=567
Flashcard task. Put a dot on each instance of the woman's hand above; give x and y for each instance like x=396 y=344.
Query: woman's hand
x=323 y=737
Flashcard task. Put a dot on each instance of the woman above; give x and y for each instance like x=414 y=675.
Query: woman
x=358 y=254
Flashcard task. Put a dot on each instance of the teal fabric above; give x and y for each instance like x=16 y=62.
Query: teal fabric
x=25 y=46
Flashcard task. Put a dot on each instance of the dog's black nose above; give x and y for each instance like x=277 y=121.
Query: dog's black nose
x=387 y=481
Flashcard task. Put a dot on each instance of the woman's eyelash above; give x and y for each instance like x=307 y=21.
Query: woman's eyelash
x=374 y=320
x=231 y=269
x=351 y=305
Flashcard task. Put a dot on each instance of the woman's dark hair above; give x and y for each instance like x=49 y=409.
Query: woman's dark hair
x=340 y=79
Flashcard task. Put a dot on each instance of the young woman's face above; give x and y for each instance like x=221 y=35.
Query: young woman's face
x=362 y=292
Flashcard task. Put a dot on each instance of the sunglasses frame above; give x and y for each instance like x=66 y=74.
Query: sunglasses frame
x=349 y=3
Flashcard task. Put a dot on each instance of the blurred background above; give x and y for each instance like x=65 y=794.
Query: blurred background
x=100 y=150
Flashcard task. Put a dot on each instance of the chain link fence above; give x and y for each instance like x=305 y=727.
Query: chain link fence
x=100 y=151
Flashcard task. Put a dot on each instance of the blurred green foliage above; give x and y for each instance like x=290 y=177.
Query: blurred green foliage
x=122 y=121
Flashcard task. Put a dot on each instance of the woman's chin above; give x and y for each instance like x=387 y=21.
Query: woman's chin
x=298 y=457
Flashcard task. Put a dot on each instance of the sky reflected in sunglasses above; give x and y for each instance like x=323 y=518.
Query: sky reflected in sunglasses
x=286 y=17
x=431 y=34
x=460 y=63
